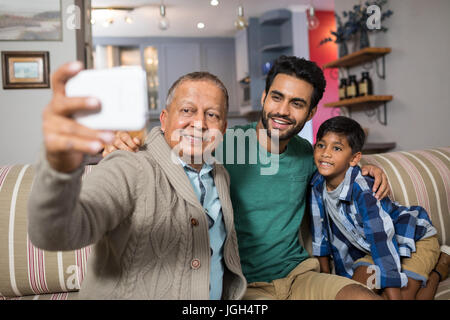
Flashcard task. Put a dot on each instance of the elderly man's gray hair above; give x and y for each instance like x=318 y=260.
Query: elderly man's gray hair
x=198 y=76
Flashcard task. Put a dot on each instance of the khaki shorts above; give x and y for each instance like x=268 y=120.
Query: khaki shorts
x=305 y=282
x=419 y=265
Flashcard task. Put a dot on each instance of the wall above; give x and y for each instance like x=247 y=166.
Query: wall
x=20 y=109
x=322 y=55
x=301 y=49
x=418 y=74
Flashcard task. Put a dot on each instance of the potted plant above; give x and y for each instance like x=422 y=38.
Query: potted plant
x=341 y=35
x=356 y=26
x=358 y=21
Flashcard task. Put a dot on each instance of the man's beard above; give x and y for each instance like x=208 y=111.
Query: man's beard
x=287 y=135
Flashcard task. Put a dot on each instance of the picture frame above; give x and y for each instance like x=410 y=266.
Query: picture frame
x=25 y=20
x=25 y=69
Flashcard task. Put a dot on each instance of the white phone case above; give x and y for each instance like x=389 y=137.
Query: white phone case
x=123 y=95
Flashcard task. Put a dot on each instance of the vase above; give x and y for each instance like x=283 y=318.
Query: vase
x=364 y=39
x=343 y=50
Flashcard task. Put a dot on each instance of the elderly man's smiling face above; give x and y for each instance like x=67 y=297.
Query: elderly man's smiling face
x=194 y=118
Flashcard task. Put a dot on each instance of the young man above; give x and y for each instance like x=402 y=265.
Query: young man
x=269 y=208
x=359 y=231
x=161 y=229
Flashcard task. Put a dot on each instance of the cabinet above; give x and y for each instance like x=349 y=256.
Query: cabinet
x=241 y=52
x=176 y=59
x=218 y=58
x=372 y=101
x=166 y=59
x=270 y=36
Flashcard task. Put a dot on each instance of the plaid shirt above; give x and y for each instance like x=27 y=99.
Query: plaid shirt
x=383 y=229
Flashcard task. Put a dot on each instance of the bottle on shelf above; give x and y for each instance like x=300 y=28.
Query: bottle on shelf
x=343 y=89
x=352 y=88
x=365 y=85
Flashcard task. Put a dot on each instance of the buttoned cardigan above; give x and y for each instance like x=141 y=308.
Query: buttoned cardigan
x=137 y=209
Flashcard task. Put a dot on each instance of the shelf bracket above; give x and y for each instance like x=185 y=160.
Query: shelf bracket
x=383 y=68
x=384 y=120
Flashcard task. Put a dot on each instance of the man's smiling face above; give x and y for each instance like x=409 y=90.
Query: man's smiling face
x=196 y=112
x=286 y=107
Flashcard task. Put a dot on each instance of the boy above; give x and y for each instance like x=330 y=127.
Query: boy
x=362 y=233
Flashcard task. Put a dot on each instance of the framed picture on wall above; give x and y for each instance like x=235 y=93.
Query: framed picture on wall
x=25 y=69
x=26 y=20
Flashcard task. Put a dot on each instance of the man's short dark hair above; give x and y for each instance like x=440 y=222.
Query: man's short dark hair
x=302 y=69
x=342 y=125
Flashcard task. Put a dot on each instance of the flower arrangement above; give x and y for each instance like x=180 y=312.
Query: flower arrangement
x=356 y=23
x=343 y=32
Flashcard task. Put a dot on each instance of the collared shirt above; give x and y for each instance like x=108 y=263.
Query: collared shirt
x=205 y=189
x=383 y=229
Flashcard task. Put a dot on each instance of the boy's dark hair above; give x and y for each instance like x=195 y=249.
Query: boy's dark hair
x=342 y=125
x=302 y=69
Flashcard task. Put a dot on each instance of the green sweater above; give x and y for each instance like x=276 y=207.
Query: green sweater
x=268 y=209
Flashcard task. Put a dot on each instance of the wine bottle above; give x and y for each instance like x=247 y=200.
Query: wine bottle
x=352 y=88
x=365 y=85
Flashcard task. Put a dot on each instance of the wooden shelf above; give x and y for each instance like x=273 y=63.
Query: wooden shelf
x=359 y=57
x=369 y=148
x=359 y=101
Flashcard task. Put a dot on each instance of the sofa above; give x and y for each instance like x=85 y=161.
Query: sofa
x=27 y=273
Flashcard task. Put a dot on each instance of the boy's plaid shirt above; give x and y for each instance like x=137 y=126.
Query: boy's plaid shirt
x=383 y=229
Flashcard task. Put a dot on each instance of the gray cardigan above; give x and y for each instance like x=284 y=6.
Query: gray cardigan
x=137 y=208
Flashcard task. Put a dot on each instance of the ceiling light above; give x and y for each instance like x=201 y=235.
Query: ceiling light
x=241 y=22
x=110 y=14
x=313 y=22
x=108 y=22
x=214 y=3
x=200 y=25
x=128 y=19
x=163 y=22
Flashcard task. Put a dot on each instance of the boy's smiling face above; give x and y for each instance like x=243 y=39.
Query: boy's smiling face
x=333 y=156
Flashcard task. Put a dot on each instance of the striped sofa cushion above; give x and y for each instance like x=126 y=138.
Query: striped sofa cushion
x=422 y=178
x=25 y=269
x=73 y=295
x=443 y=291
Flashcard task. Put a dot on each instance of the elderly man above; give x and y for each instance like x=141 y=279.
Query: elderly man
x=162 y=223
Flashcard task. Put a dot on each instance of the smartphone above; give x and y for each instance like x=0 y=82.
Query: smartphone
x=122 y=92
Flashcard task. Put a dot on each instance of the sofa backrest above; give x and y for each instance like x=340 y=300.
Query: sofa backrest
x=420 y=177
x=25 y=269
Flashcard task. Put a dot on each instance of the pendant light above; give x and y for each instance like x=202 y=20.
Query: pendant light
x=313 y=21
x=241 y=22
x=163 y=22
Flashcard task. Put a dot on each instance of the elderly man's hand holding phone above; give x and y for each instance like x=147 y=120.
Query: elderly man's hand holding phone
x=82 y=114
